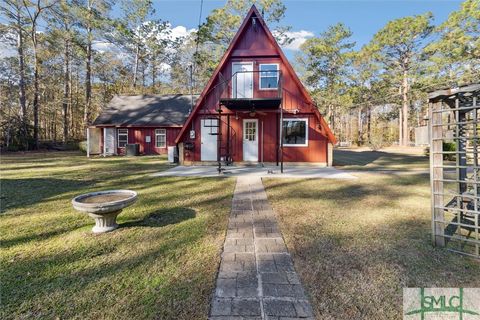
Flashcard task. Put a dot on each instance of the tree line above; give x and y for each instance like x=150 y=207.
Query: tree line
x=67 y=58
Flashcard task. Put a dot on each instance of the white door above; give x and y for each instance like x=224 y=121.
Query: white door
x=242 y=82
x=109 y=141
x=250 y=140
x=208 y=149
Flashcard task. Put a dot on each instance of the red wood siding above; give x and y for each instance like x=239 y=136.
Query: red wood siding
x=316 y=151
x=139 y=134
x=253 y=44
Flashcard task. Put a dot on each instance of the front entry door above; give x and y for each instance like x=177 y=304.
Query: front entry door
x=250 y=140
x=242 y=80
x=208 y=137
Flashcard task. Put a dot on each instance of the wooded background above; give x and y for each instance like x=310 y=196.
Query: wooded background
x=71 y=56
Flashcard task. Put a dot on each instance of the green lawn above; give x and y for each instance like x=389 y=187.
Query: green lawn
x=365 y=160
x=357 y=243
x=161 y=262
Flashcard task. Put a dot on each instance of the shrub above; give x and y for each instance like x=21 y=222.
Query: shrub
x=376 y=142
x=82 y=146
x=449 y=146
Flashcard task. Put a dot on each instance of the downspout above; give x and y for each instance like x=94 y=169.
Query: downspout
x=281 y=139
x=277 y=144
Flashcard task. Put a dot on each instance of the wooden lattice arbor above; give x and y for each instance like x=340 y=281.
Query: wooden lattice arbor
x=454 y=168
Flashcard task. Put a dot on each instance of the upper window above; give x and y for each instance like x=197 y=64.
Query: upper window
x=295 y=132
x=161 y=138
x=269 y=75
x=122 y=137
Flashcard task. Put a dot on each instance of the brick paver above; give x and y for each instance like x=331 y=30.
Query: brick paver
x=256 y=279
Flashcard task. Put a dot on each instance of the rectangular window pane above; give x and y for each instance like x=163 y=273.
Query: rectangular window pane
x=269 y=75
x=268 y=83
x=294 y=132
x=161 y=138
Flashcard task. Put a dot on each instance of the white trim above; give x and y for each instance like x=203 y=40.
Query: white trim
x=118 y=137
x=306 y=132
x=160 y=134
x=260 y=75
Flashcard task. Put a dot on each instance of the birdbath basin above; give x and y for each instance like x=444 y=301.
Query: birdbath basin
x=104 y=207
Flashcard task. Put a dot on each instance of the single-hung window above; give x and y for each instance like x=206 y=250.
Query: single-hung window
x=269 y=75
x=161 y=138
x=122 y=137
x=295 y=132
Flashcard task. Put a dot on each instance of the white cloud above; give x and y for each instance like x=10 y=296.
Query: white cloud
x=181 y=31
x=103 y=46
x=299 y=37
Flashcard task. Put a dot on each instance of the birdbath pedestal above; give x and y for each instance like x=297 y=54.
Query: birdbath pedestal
x=104 y=207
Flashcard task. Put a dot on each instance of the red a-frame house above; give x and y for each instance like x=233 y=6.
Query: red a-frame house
x=254 y=108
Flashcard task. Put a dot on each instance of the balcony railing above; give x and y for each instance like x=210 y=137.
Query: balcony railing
x=252 y=89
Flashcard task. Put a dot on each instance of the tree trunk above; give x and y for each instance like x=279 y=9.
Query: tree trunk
x=400 y=127
x=406 y=137
x=135 y=67
x=143 y=77
x=359 y=128
x=369 y=124
x=21 y=66
x=66 y=89
x=154 y=74
x=22 y=98
x=88 y=76
x=70 y=104
x=88 y=86
x=36 y=100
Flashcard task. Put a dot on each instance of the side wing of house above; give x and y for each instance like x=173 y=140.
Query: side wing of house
x=151 y=121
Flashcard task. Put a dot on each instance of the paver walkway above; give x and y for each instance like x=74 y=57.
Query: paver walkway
x=256 y=279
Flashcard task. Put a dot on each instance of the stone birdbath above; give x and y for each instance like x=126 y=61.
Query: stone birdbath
x=104 y=207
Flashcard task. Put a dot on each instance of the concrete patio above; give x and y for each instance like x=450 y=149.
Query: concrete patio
x=270 y=171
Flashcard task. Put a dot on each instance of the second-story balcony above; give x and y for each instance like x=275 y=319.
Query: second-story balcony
x=252 y=90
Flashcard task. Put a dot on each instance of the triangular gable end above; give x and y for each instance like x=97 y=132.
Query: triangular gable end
x=254 y=12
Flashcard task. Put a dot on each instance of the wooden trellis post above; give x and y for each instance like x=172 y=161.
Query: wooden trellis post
x=455 y=182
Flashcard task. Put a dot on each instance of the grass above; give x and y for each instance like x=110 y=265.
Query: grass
x=161 y=262
x=357 y=243
x=365 y=160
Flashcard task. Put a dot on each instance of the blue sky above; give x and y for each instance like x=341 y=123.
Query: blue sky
x=308 y=17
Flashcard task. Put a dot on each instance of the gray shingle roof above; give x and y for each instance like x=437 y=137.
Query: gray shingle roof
x=146 y=110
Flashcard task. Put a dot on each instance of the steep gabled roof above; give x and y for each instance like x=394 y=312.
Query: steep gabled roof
x=146 y=110
x=254 y=12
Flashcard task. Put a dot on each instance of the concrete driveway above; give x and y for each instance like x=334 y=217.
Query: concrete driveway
x=290 y=171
